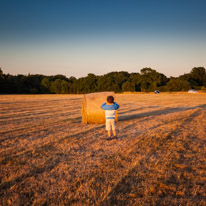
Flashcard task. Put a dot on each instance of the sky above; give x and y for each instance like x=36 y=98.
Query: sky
x=77 y=37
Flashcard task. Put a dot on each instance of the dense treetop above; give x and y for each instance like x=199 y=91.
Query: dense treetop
x=147 y=80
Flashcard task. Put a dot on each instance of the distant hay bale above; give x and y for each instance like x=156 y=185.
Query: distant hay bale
x=91 y=107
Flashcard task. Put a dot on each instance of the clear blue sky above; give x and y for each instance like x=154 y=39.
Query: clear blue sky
x=77 y=37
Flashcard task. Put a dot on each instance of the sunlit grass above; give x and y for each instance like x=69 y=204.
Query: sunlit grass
x=48 y=157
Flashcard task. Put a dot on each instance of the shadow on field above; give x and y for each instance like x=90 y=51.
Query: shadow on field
x=137 y=109
x=33 y=172
x=165 y=174
x=158 y=112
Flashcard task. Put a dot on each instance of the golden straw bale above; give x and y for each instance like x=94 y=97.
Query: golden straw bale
x=91 y=107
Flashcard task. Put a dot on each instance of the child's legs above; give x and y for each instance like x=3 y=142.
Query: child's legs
x=108 y=126
x=113 y=127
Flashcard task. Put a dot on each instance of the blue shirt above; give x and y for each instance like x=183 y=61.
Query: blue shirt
x=110 y=110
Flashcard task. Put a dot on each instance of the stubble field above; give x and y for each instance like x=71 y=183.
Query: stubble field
x=48 y=157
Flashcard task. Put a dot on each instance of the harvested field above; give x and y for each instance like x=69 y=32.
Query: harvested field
x=48 y=157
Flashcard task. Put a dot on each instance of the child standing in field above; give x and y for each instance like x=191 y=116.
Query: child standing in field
x=110 y=108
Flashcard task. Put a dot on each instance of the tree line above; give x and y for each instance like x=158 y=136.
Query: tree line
x=147 y=80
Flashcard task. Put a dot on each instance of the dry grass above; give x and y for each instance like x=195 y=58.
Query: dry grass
x=48 y=157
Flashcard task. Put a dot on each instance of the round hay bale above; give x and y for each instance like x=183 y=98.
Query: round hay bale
x=92 y=113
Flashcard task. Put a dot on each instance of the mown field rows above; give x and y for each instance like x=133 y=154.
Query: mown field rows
x=48 y=157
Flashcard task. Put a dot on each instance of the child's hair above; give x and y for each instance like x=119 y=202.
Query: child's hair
x=110 y=99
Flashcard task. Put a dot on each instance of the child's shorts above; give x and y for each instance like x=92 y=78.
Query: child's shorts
x=110 y=124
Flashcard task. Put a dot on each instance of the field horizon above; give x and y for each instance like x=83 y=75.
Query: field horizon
x=49 y=157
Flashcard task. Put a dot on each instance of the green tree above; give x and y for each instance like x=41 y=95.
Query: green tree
x=64 y=87
x=1 y=73
x=199 y=75
x=106 y=82
x=90 y=83
x=112 y=81
x=1 y=82
x=178 y=85
x=45 y=85
x=71 y=83
x=151 y=79
x=59 y=76
x=56 y=86
x=128 y=86
x=135 y=79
